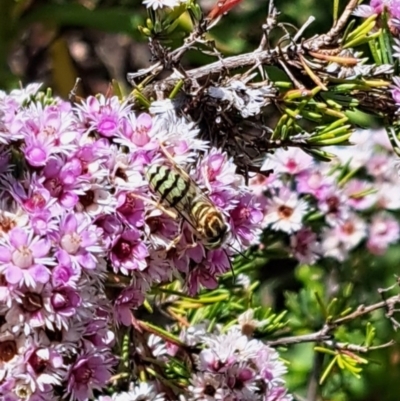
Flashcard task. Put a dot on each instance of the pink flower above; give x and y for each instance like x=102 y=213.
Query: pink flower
x=42 y=365
x=136 y=131
x=91 y=371
x=246 y=220
x=33 y=199
x=61 y=180
x=104 y=115
x=129 y=252
x=37 y=151
x=334 y=206
x=285 y=211
x=206 y=273
x=384 y=230
x=396 y=90
x=360 y=194
x=216 y=170
x=345 y=236
x=130 y=208
x=24 y=258
x=313 y=182
x=65 y=302
x=305 y=247
x=130 y=298
x=79 y=239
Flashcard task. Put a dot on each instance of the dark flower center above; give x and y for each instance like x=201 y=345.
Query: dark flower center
x=38 y=364
x=333 y=204
x=87 y=199
x=285 y=211
x=122 y=249
x=209 y=390
x=7 y=350
x=32 y=302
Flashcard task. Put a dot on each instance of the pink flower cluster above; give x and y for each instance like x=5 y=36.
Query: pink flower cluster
x=76 y=212
x=331 y=209
x=234 y=367
x=230 y=366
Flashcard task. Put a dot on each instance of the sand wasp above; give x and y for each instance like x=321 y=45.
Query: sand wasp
x=177 y=189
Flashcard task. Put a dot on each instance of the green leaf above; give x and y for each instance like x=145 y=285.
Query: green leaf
x=363 y=120
x=328 y=370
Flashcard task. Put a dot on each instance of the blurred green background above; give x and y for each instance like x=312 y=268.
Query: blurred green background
x=56 y=41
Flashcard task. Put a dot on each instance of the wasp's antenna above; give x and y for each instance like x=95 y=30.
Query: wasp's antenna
x=231 y=267
x=238 y=252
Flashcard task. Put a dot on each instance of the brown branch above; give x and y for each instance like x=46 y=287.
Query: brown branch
x=358 y=348
x=329 y=38
x=232 y=63
x=313 y=381
x=364 y=310
x=324 y=335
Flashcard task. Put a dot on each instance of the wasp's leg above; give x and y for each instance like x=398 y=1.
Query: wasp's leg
x=177 y=239
x=173 y=162
x=157 y=205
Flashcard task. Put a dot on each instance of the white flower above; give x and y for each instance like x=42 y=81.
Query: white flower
x=291 y=161
x=247 y=101
x=363 y=11
x=341 y=239
x=225 y=346
x=145 y=391
x=285 y=211
x=248 y=323
x=179 y=136
x=388 y=195
x=97 y=200
x=154 y=4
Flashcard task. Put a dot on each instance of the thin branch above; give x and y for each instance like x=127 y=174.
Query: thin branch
x=330 y=37
x=234 y=62
x=324 y=335
x=313 y=382
x=358 y=348
x=305 y=338
x=364 y=310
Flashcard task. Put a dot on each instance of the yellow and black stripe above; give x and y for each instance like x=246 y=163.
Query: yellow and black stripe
x=181 y=193
x=169 y=184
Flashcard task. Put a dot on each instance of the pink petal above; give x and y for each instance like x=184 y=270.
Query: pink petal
x=5 y=254
x=69 y=200
x=88 y=238
x=125 y=316
x=41 y=248
x=87 y=261
x=40 y=274
x=70 y=223
x=13 y=275
x=18 y=237
x=144 y=120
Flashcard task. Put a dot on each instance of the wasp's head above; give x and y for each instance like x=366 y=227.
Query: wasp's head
x=215 y=232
